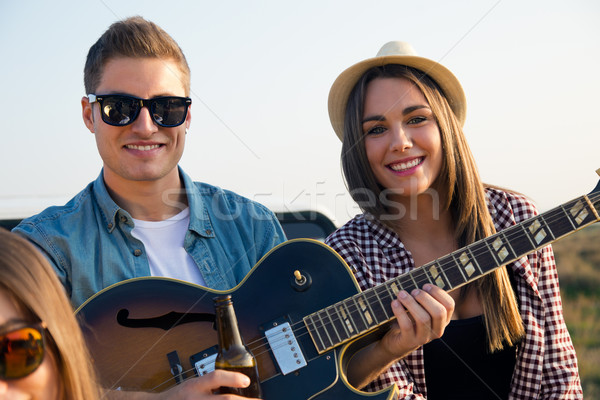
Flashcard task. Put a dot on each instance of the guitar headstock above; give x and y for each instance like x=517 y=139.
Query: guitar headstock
x=597 y=188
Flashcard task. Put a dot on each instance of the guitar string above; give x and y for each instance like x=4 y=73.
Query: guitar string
x=515 y=231
x=262 y=349
x=257 y=351
x=508 y=233
x=447 y=263
x=511 y=233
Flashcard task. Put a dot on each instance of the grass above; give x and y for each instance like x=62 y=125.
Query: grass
x=578 y=261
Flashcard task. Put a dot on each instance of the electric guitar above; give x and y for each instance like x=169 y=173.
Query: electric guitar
x=300 y=312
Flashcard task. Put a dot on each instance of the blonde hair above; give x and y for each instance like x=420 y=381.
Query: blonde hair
x=458 y=179
x=28 y=279
x=133 y=37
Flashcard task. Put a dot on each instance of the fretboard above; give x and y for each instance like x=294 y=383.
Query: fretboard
x=370 y=309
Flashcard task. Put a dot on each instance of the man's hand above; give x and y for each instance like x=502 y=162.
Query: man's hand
x=199 y=388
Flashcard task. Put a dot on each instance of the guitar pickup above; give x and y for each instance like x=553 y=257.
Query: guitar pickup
x=204 y=362
x=285 y=348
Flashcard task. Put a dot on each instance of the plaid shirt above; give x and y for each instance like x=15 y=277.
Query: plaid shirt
x=546 y=365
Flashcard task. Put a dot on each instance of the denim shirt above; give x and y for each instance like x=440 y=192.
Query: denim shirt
x=89 y=243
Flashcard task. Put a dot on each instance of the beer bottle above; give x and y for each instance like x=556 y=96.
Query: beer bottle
x=233 y=355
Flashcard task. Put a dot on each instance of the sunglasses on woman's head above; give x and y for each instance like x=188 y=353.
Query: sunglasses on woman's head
x=121 y=110
x=21 y=350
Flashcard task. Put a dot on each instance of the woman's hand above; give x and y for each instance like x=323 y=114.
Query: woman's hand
x=421 y=316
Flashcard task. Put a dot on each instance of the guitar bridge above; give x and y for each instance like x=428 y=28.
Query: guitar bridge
x=176 y=368
x=285 y=348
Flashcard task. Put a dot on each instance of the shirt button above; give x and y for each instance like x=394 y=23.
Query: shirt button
x=110 y=226
x=208 y=231
x=137 y=252
x=123 y=219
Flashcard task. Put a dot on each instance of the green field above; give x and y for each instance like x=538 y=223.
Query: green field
x=578 y=260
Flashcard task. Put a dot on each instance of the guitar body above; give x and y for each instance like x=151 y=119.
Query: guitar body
x=141 y=330
x=132 y=326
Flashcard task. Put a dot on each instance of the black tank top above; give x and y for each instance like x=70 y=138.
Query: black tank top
x=458 y=365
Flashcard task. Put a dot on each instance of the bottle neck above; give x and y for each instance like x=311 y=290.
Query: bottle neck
x=229 y=333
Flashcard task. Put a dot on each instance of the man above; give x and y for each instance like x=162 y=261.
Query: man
x=143 y=215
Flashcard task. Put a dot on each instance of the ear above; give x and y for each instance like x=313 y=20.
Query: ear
x=188 y=118
x=87 y=113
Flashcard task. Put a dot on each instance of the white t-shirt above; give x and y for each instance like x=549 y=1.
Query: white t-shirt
x=163 y=241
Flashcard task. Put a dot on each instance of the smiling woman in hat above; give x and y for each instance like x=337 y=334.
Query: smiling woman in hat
x=407 y=164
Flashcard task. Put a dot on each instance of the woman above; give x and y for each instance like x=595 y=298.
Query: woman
x=42 y=352
x=407 y=164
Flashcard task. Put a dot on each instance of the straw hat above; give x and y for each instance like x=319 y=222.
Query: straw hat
x=394 y=53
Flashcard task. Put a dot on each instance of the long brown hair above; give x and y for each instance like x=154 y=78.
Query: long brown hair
x=459 y=181
x=28 y=279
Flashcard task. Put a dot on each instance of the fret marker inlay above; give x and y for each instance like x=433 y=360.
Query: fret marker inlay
x=503 y=253
x=365 y=311
x=579 y=212
x=540 y=236
x=435 y=275
x=576 y=208
x=349 y=326
x=369 y=318
x=500 y=249
x=541 y=233
x=581 y=217
x=467 y=264
x=346 y=320
x=497 y=244
x=534 y=227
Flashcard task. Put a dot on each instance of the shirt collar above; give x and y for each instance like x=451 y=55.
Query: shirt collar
x=108 y=208
x=382 y=234
x=199 y=215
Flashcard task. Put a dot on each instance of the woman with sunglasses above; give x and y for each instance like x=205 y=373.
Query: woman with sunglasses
x=42 y=352
x=407 y=164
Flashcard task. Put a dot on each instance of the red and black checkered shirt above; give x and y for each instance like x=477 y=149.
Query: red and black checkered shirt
x=546 y=365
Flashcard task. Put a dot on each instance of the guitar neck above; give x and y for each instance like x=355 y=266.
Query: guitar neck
x=366 y=311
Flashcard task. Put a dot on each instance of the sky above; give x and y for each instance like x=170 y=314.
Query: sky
x=261 y=73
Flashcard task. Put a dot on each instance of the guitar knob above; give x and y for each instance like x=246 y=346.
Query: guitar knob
x=301 y=280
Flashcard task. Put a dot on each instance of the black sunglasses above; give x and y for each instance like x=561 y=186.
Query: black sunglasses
x=21 y=350
x=121 y=110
